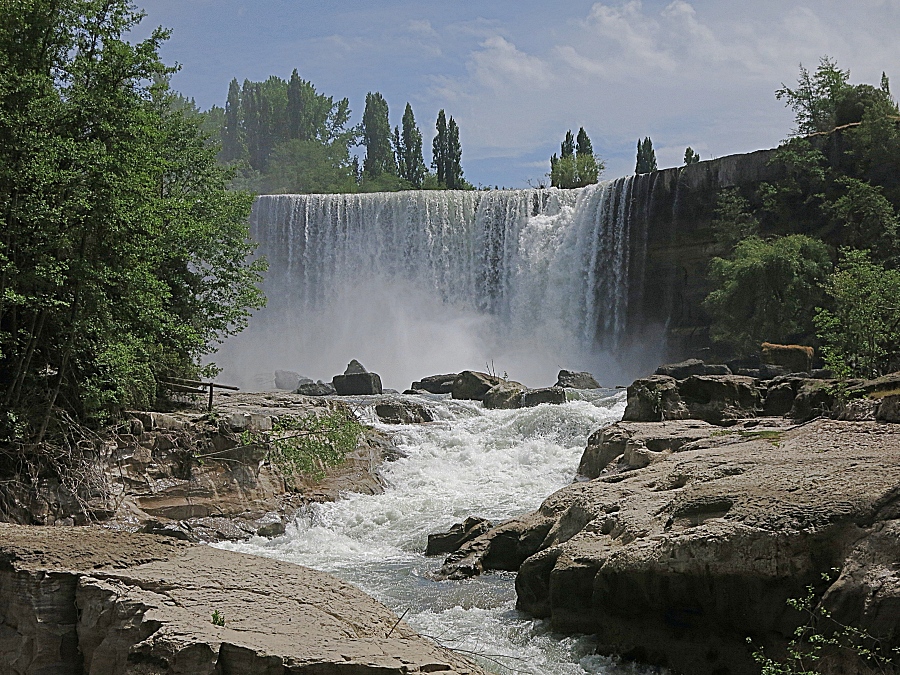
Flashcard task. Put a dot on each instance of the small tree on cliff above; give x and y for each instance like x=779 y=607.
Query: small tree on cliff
x=577 y=165
x=646 y=156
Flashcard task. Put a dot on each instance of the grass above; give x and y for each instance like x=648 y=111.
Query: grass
x=883 y=394
x=771 y=435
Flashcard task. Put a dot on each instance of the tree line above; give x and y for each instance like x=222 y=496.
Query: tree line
x=815 y=256
x=284 y=136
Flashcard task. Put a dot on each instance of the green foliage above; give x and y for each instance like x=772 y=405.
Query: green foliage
x=646 y=156
x=218 y=619
x=309 y=445
x=821 y=634
x=816 y=98
x=577 y=165
x=690 y=157
x=376 y=136
x=408 y=146
x=299 y=166
x=766 y=290
x=866 y=219
x=734 y=220
x=124 y=257
x=446 y=152
x=860 y=329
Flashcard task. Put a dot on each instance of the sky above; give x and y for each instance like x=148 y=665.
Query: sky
x=516 y=74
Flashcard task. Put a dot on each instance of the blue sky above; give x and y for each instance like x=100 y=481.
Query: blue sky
x=516 y=75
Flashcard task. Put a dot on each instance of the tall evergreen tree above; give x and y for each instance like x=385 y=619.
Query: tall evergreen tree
x=440 y=149
x=583 y=147
x=646 y=156
x=453 y=172
x=232 y=135
x=412 y=165
x=577 y=165
x=690 y=157
x=376 y=133
x=567 y=147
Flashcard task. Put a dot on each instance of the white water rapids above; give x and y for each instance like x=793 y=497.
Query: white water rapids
x=471 y=461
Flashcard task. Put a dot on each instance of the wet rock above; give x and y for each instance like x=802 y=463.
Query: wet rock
x=403 y=412
x=533 y=397
x=576 y=380
x=685 y=369
x=504 y=396
x=653 y=399
x=814 y=398
x=720 y=399
x=357 y=381
x=442 y=543
x=780 y=397
x=472 y=385
x=316 y=389
x=436 y=384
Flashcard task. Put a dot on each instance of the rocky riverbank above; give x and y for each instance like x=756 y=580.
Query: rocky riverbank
x=682 y=538
x=83 y=600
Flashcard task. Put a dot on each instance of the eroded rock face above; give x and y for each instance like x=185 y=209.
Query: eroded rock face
x=679 y=562
x=504 y=396
x=684 y=369
x=357 y=381
x=472 y=385
x=653 y=399
x=442 y=543
x=403 y=412
x=435 y=384
x=576 y=380
x=103 y=603
x=533 y=397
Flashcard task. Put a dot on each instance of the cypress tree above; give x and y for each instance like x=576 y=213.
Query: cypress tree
x=413 y=165
x=376 y=130
x=232 y=142
x=646 y=157
x=453 y=172
x=439 y=149
x=583 y=147
x=567 y=147
x=690 y=157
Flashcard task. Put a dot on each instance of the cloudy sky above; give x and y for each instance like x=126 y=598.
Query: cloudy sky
x=517 y=73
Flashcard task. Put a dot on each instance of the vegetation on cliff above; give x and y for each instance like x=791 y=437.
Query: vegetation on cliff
x=838 y=195
x=124 y=257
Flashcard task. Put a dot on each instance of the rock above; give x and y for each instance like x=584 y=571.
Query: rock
x=793 y=358
x=685 y=369
x=504 y=396
x=316 y=389
x=471 y=385
x=887 y=384
x=77 y=600
x=403 y=412
x=533 y=397
x=889 y=409
x=436 y=384
x=678 y=563
x=356 y=381
x=576 y=380
x=814 y=398
x=720 y=399
x=780 y=397
x=442 y=543
x=653 y=399
x=289 y=380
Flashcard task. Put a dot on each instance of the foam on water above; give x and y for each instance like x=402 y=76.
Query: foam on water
x=471 y=461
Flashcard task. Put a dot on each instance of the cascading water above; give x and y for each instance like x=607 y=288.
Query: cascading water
x=414 y=283
x=493 y=463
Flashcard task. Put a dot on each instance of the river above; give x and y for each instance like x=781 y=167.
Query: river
x=470 y=461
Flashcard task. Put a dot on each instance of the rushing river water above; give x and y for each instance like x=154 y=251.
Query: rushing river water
x=471 y=461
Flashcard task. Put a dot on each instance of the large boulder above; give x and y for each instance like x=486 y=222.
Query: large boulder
x=780 y=396
x=889 y=409
x=316 y=389
x=680 y=562
x=720 y=399
x=653 y=399
x=435 y=384
x=397 y=411
x=504 y=396
x=793 y=358
x=576 y=380
x=533 y=397
x=471 y=385
x=356 y=381
x=684 y=369
x=442 y=543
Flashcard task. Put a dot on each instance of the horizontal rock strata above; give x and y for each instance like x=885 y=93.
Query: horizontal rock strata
x=693 y=542
x=76 y=600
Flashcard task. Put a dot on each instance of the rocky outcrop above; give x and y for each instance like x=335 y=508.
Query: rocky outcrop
x=316 y=389
x=684 y=369
x=435 y=384
x=533 y=397
x=576 y=380
x=472 y=385
x=400 y=411
x=76 y=601
x=357 y=381
x=442 y=543
x=681 y=561
x=504 y=396
x=653 y=399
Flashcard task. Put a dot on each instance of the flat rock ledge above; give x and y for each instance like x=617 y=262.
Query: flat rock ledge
x=690 y=539
x=93 y=602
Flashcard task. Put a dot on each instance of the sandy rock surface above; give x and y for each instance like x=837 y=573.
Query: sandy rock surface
x=679 y=561
x=79 y=600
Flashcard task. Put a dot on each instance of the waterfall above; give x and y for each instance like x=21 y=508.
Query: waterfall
x=531 y=279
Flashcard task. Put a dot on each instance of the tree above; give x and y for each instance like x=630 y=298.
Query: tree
x=232 y=135
x=411 y=165
x=690 y=157
x=860 y=331
x=646 y=156
x=734 y=220
x=453 y=173
x=766 y=290
x=376 y=136
x=816 y=97
x=440 y=149
x=124 y=258
x=577 y=165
